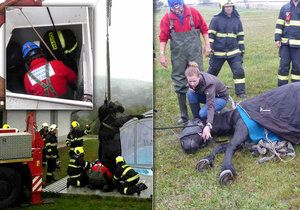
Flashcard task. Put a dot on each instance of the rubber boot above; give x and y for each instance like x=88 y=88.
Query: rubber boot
x=183 y=108
x=195 y=108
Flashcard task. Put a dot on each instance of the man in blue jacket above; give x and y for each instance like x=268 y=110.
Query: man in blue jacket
x=226 y=36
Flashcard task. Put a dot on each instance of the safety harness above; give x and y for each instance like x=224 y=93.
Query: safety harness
x=48 y=88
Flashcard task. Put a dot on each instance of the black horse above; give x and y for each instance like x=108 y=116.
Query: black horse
x=109 y=132
x=276 y=110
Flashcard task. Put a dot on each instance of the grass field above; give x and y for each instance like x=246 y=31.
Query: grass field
x=84 y=201
x=274 y=185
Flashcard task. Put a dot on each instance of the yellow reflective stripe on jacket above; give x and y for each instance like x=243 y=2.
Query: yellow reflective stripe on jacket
x=48 y=144
x=49 y=174
x=295 y=77
x=239 y=81
x=73 y=166
x=212 y=31
x=226 y=35
x=49 y=150
x=211 y=40
x=72 y=160
x=284 y=40
x=241 y=42
x=241 y=33
x=72 y=49
x=278 y=31
x=61 y=39
x=49 y=156
x=283 y=77
x=125 y=171
x=280 y=22
x=75 y=176
x=125 y=190
x=133 y=178
x=294 y=42
x=53 y=145
x=116 y=178
x=293 y=23
x=227 y=53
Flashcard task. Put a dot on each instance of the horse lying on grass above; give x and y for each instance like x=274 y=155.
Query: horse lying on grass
x=276 y=113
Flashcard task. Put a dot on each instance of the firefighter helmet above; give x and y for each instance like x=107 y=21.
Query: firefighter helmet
x=52 y=127
x=119 y=159
x=6 y=126
x=79 y=151
x=45 y=125
x=30 y=49
x=75 y=124
x=226 y=3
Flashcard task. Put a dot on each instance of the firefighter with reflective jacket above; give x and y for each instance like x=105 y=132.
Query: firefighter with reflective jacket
x=43 y=132
x=74 y=136
x=226 y=37
x=51 y=152
x=287 y=39
x=44 y=78
x=126 y=178
x=77 y=169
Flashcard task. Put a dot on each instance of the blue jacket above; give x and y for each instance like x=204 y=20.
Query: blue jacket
x=288 y=25
x=226 y=35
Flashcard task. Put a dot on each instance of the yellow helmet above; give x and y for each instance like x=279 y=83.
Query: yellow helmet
x=79 y=151
x=74 y=124
x=119 y=159
x=224 y=3
x=6 y=126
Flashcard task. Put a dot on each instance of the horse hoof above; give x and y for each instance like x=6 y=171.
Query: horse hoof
x=203 y=165
x=226 y=177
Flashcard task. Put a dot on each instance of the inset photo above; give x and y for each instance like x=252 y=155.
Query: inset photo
x=49 y=59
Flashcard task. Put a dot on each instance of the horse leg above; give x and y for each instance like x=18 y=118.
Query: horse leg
x=208 y=161
x=228 y=172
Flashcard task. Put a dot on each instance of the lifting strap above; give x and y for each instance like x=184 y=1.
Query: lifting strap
x=48 y=86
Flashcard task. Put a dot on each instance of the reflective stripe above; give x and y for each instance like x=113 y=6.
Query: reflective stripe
x=49 y=150
x=284 y=40
x=116 y=178
x=133 y=178
x=125 y=171
x=295 y=77
x=241 y=42
x=78 y=183
x=241 y=33
x=294 y=42
x=49 y=156
x=280 y=22
x=226 y=35
x=54 y=144
x=212 y=31
x=61 y=39
x=211 y=40
x=48 y=144
x=283 y=77
x=293 y=23
x=239 y=81
x=278 y=31
x=227 y=53
x=49 y=174
x=72 y=49
x=73 y=166
x=72 y=160
x=125 y=190
x=75 y=176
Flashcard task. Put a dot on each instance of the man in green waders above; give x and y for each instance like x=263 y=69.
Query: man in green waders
x=182 y=25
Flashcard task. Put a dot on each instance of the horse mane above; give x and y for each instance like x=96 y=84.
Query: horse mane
x=224 y=122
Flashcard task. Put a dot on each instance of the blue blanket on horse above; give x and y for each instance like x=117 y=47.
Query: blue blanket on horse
x=256 y=131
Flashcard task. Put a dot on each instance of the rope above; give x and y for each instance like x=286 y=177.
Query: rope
x=38 y=34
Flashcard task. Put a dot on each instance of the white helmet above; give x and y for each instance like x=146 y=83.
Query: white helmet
x=45 y=125
x=224 y=3
x=52 y=127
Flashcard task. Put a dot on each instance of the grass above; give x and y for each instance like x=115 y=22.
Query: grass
x=86 y=201
x=274 y=185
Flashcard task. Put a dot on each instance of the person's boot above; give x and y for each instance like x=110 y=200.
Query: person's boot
x=195 y=108
x=183 y=108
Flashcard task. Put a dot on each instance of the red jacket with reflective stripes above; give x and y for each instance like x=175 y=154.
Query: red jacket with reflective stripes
x=60 y=77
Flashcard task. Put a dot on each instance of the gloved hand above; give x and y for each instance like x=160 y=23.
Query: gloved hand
x=68 y=143
x=88 y=127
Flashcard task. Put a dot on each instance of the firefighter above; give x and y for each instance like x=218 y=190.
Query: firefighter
x=182 y=25
x=287 y=39
x=51 y=152
x=126 y=178
x=6 y=126
x=74 y=136
x=77 y=169
x=226 y=36
x=44 y=78
x=43 y=132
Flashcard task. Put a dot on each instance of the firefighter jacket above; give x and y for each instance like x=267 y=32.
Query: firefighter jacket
x=43 y=133
x=226 y=35
x=125 y=173
x=288 y=25
x=76 y=168
x=74 y=138
x=212 y=88
x=51 y=145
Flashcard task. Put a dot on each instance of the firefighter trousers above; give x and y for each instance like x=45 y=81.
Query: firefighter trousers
x=287 y=56
x=236 y=66
x=51 y=165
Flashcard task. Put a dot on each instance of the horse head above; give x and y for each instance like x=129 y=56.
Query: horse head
x=109 y=110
